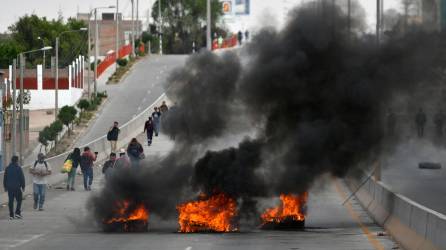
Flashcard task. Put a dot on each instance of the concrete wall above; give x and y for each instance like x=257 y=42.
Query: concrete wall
x=412 y=225
x=128 y=131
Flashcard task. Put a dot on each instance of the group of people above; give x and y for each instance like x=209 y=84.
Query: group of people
x=420 y=120
x=14 y=178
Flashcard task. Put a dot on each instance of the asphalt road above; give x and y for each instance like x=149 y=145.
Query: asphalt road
x=402 y=175
x=63 y=225
x=141 y=87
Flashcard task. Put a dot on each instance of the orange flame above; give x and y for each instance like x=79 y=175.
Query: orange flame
x=123 y=215
x=215 y=213
x=292 y=206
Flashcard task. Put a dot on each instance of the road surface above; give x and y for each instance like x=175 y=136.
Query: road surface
x=142 y=86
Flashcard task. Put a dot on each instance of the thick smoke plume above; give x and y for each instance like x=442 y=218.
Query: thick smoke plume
x=312 y=96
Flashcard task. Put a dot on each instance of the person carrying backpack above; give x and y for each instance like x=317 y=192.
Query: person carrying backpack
x=14 y=184
x=112 y=136
x=40 y=171
x=87 y=161
x=109 y=166
x=135 y=152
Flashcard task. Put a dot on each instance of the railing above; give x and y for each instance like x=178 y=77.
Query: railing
x=110 y=59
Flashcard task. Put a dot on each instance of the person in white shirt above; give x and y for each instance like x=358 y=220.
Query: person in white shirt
x=40 y=171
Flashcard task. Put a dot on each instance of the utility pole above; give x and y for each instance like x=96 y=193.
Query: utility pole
x=117 y=32
x=349 y=13
x=2 y=139
x=208 y=26
x=96 y=51
x=137 y=19
x=89 y=57
x=14 y=108
x=22 y=127
x=160 y=17
x=133 y=28
x=378 y=22
x=56 y=82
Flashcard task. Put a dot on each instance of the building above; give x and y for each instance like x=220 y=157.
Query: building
x=107 y=31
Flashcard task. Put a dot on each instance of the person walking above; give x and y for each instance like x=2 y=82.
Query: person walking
x=75 y=157
x=156 y=116
x=109 y=166
x=439 y=120
x=240 y=37
x=135 y=152
x=87 y=161
x=246 y=35
x=123 y=161
x=420 y=122
x=163 y=108
x=220 y=41
x=40 y=171
x=112 y=136
x=14 y=184
x=148 y=129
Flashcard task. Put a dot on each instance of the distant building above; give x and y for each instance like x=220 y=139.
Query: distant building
x=107 y=31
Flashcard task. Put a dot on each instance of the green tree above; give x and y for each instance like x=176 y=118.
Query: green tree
x=183 y=23
x=43 y=137
x=83 y=105
x=66 y=115
x=8 y=51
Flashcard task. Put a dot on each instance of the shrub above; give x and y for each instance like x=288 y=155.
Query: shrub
x=122 y=62
x=82 y=105
x=66 y=115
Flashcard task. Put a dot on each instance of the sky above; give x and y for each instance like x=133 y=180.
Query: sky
x=51 y=8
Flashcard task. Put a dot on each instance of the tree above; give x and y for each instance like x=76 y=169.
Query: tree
x=66 y=115
x=8 y=51
x=184 y=23
x=43 y=137
x=83 y=105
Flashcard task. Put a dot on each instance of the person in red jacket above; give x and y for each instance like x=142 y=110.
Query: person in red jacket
x=87 y=161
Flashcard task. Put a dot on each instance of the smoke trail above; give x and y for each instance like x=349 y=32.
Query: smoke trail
x=313 y=92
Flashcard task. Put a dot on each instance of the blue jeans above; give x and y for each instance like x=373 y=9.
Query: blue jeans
x=88 y=177
x=39 y=194
x=71 y=178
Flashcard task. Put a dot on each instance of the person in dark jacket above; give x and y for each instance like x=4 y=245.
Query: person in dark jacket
x=420 y=122
x=112 y=136
x=240 y=37
x=75 y=157
x=14 y=184
x=109 y=166
x=148 y=128
x=135 y=152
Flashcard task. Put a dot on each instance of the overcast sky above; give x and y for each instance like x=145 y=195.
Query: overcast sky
x=14 y=9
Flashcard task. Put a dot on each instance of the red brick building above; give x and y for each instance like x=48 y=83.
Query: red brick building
x=107 y=31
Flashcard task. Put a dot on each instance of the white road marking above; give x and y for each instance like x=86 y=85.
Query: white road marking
x=23 y=242
x=188 y=248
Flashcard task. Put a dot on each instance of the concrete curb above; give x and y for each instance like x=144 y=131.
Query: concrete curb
x=412 y=225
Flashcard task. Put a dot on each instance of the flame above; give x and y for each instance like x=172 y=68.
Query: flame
x=292 y=206
x=123 y=215
x=215 y=213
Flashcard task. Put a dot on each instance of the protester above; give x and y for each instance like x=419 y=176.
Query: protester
x=148 y=129
x=163 y=108
x=14 y=184
x=87 y=161
x=109 y=166
x=75 y=157
x=156 y=116
x=240 y=37
x=439 y=120
x=420 y=122
x=40 y=171
x=123 y=161
x=112 y=136
x=246 y=35
x=135 y=152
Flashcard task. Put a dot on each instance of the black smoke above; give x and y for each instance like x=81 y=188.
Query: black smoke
x=311 y=98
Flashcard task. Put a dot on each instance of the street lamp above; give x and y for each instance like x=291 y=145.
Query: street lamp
x=22 y=69
x=95 y=10
x=160 y=16
x=208 y=28
x=56 y=82
x=2 y=139
x=43 y=44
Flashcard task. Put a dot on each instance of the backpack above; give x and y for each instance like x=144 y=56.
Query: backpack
x=85 y=162
x=109 y=135
x=44 y=162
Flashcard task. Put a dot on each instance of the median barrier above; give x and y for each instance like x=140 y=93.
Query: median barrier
x=412 y=225
x=129 y=130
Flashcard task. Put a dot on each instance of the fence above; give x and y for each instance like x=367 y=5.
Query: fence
x=110 y=59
